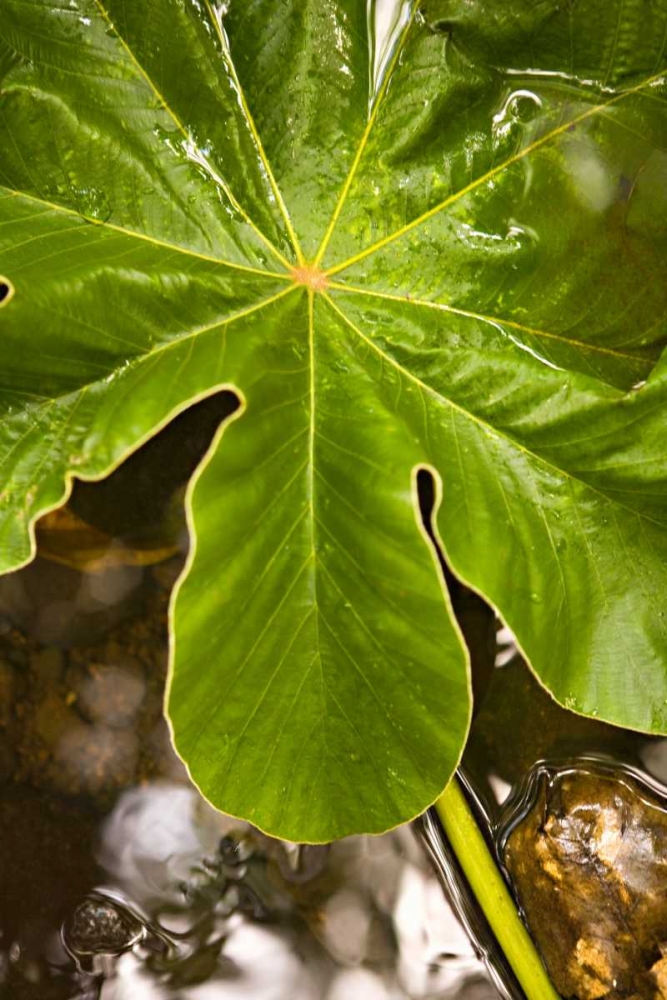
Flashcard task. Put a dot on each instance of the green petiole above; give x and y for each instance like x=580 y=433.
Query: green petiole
x=488 y=886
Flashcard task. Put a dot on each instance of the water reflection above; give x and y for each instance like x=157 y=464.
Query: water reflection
x=118 y=882
x=193 y=905
x=388 y=18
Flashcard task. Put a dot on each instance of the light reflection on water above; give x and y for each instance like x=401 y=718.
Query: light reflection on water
x=372 y=922
x=364 y=918
x=123 y=884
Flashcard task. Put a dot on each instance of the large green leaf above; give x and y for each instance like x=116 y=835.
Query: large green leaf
x=418 y=235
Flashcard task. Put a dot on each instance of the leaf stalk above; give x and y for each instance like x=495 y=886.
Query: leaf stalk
x=492 y=894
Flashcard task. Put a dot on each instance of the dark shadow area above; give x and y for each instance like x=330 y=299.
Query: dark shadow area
x=133 y=499
x=97 y=555
x=476 y=619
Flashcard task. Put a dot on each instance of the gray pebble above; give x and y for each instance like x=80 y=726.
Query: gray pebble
x=93 y=759
x=109 y=694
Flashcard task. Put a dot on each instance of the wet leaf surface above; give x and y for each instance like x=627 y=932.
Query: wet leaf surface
x=437 y=245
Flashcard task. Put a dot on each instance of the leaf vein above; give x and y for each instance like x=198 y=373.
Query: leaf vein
x=438 y=396
x=490 y=174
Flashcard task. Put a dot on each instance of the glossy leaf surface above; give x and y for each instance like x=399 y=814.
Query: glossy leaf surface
x=409 y=235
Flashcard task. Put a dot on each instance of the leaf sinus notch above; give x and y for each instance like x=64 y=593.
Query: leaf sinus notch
x=6 y=291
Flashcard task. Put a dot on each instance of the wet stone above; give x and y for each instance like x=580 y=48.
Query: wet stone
x=101 y=926
x=87 y=806
x=7 y=692
x=546 y=731
x=46 y=867
x=93 y=759
x=47 y=665
x=588 y=864
x=109 y=694
x=56 y=605
x=51 y=719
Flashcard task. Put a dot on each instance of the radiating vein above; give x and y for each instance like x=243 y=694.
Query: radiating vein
x=493 y=172
x=436 y=394
x=258 y=639
x=342 y=198
x=259 y=145
x=188 y=137
x=311 y=456
x=53 y=206
x=410 y=300
x=154 y=354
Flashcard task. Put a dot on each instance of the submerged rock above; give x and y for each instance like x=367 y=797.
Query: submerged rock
x=94 y=759
x=60 y=606
x=101 y=926
x=111 y=695
x=589 y=864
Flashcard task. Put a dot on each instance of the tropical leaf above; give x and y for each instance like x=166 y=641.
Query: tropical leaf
x=407 y=235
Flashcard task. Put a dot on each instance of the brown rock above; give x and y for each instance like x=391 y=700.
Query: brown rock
x=588 y=864
x=110 y=694
x=50 y=720
x=94 y=759
x=7 y=693
x=47 y=666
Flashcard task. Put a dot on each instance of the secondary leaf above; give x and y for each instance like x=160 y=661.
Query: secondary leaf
x=411 y=235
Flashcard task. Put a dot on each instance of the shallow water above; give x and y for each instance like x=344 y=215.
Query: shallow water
x=117 y=881
x=577 y=811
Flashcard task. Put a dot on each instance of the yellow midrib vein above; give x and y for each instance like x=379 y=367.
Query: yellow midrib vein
x=188 y=138
x=342 y=198
x=430 y=391
x=490 y=174
x=145 y=237
x=312 y=430
x=155 y=352
x=259 y=145
x=493 y=320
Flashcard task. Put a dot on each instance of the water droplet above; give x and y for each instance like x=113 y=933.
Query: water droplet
x=520 y=107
